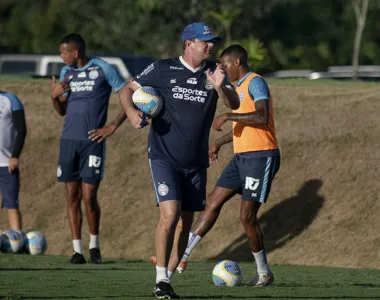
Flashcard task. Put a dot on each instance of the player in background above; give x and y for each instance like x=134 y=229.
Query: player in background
x=254 y=165
x=12 y=139
x=178 y=141
x=82 y=95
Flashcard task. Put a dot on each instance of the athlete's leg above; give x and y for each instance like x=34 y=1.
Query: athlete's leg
x=74 y=211
x=9 y=188
x=258 y=173
x=248 y=218
x=74 y=214
x=14 y=219
x=164 y=236
x=214 y=203
x=180 y=239
x=93 y=213
x=92 y=208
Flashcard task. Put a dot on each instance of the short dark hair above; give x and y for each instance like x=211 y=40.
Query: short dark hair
x=184 y=43
x=237 y=51
x=75 y=38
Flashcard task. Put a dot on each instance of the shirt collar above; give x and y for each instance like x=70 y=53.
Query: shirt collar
x=190 y=67
x=241 y=80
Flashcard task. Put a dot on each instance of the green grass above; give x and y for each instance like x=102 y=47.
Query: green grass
x=50 y=277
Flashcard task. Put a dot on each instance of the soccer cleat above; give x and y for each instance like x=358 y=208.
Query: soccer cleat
x=164 y=290
x=77 y=258
x=182 y=266
x=260 y=280
x=95 y=257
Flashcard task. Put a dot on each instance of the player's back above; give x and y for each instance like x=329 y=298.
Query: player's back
x=87 y=103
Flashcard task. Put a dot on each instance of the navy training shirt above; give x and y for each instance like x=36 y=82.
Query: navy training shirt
x=180 y=133
x=87 y=103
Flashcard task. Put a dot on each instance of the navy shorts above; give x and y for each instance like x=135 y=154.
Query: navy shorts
x=81 y=160
x=185 y=185
x=250 y=176
x=9 y=187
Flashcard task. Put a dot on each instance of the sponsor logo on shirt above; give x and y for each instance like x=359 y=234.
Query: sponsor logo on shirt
x=176 y=68
x=189 y=94
x=82 y=75
x=147 y=70
x=192 y=80
x=82 y=86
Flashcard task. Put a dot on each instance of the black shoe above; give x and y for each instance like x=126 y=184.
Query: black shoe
x=77 y=258
x=95 y=257
x=164 y=290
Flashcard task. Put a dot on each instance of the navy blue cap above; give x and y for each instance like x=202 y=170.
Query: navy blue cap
x=198 y=31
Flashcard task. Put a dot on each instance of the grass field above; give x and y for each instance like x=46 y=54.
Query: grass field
x=50 y=277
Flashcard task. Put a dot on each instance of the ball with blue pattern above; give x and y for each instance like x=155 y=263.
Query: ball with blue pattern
x=227 y=273
x=35 y=243
x=148 y=100
x=12 y=241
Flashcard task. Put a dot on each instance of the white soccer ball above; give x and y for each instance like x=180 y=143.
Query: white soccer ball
x=148 y=100
x=35 y=243
x=12 y=242
x=227 y=273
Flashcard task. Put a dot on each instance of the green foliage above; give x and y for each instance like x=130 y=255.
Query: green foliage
x=295 y=33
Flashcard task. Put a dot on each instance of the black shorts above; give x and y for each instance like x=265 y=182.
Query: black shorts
x=81 y=160
x=185 y=185
x=9 y=187
x=250 y=176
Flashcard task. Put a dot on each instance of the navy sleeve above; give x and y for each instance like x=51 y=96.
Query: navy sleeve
x=258 y=89
x=113 y=77
x=149 y=76
x=18 y=119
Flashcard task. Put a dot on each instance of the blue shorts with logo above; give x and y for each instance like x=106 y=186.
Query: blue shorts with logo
x=251 y=174
x=185 y=185
x=9 y=187
x=81 y=160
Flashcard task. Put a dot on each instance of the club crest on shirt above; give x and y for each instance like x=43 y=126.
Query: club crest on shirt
x=208 y=84
x=241 y=96
x=59 y=171
x=94 y=74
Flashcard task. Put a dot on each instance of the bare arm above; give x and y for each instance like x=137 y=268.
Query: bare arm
x=99 y=134
x=59 y=100
x=229 y=96
x=215 y=147
x=135 y=116
x=258 y=117
x=226 y=93
x=225 y=139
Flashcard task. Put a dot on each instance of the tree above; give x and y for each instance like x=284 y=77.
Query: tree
x=360 y=8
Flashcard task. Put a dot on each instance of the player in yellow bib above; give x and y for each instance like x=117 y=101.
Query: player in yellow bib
x=254 y=165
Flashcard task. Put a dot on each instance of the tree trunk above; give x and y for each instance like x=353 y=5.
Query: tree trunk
x=361 y=15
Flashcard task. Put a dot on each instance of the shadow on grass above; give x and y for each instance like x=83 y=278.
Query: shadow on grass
x=282 y=223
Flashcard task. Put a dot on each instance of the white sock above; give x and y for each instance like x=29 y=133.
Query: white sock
x=261 y=262
x=162 y=274
x=77 y=244
x=194 y=240
x=94 y=241
x=170 y=274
